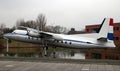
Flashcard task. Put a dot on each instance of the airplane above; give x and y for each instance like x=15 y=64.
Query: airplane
x=102 y=39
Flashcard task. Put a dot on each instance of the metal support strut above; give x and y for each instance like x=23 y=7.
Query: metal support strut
x=7 y=50
x=45 y=50
x=54 y=52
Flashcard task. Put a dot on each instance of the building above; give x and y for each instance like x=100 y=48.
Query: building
x=73 y=31
x=111 y=53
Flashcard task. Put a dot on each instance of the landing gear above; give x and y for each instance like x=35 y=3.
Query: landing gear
x=54 y=52
x=45 y=47
x=45 y=50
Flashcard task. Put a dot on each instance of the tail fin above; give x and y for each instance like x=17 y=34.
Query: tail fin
x=106 y=31
x=105 y=27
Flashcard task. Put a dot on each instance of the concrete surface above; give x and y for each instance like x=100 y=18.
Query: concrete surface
x=46 y=66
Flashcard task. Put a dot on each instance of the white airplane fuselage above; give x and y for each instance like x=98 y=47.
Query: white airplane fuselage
x=72 y=41
x=103 y=39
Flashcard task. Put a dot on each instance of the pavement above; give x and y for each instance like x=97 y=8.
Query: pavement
x=6 y=65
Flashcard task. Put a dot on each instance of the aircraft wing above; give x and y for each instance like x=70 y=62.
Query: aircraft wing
x=41 y=34
x=50 y=35
x=45 y=35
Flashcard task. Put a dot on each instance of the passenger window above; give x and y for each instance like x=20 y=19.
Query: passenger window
x=65 y=42
x=61 y=41
x=57 y=41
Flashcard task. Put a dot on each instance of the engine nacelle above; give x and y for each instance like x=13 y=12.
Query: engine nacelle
x=33 y=34
x=22 y=32
x=29 y=31
x=57 y=37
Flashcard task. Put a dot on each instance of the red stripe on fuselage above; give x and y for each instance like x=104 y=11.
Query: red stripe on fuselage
x=111 y=22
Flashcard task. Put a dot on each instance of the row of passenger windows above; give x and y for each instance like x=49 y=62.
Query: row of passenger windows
x=33 y=38
x=58 y=41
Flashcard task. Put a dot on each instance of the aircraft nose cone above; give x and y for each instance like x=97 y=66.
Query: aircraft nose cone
x=6 y=35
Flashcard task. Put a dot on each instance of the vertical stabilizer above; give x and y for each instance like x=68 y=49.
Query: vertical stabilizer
x=106 y=31
x=104 y=28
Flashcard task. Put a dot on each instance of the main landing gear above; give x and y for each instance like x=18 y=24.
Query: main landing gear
x=54 y=52
x=45 y=51
x=45 y=48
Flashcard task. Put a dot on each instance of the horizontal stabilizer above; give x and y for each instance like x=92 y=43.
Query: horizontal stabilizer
x=102 y=39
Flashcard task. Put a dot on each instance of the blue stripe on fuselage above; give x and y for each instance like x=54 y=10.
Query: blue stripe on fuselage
x=77 y=41
x=110 y=36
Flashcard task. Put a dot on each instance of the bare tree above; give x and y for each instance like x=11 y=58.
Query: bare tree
x=49 y=28
x=2 y=27
x=20 y=22
x=41 y=22
x=59 y=29
x=56 y=29
x=30 y=24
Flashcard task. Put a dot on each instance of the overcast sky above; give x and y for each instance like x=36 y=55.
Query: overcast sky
x=67 y=13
